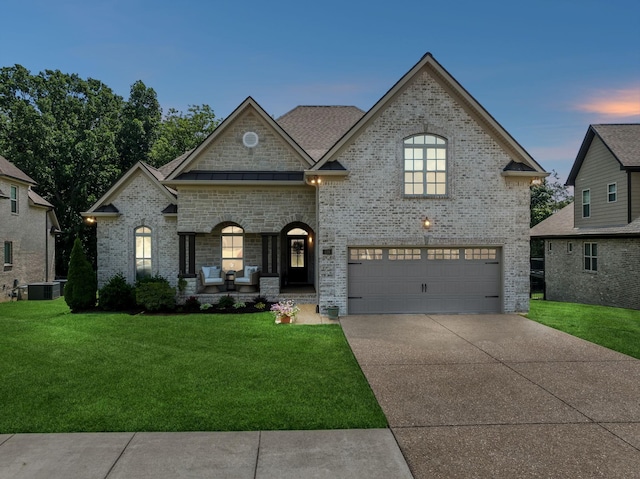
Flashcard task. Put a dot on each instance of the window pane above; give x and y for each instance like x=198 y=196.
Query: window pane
x=418 y=189
x=418 y=154
x=430 y=140
x=408 y=165
x=419 y=140
x=441 y=153
x=441 y=189
x=408 y=153
x=418 y=164
x=431 y=154
x=594 y=249
x=587 y=249
x=594 y=264
x=431 y=189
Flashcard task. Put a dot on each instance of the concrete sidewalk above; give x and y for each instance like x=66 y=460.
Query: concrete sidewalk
x=500 y=396
x=354 y=453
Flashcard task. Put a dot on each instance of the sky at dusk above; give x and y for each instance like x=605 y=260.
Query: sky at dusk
x=543 y=69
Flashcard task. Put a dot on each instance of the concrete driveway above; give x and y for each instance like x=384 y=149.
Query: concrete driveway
x=500 y=396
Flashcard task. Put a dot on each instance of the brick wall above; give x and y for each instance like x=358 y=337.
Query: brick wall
x=368 y=207
x=616 y=283
x=140 y=203
x=29 y=233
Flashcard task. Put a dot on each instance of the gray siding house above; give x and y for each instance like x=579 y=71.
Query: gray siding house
x=592 y=246
x=420 y=204
x=28 y=225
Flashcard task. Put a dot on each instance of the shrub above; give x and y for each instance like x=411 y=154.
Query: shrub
x=260 y=299
x=226 y=302
x=155 y=294
x=192 y=304
x=260 y=306
x=81 y=287
x=239 y=304
x=117 y=295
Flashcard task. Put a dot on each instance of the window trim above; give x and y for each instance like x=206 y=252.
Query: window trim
x=14 y=199
x=440 y=144
x=224 y=258
x=139 y=233
x=587 y=204
x=590 y=260
x=614 y=192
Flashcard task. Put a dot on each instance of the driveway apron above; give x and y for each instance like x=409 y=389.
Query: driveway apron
x=500 y=396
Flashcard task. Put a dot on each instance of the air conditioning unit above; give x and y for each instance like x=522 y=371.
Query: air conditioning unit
x=43 y=291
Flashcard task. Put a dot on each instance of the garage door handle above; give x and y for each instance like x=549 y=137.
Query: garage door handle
x=354 y=297
x=424 y=287
x=492 y=296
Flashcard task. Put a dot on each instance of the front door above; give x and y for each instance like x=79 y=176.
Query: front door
x=298 y=268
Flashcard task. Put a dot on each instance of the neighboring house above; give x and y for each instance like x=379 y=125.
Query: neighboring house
x=28 y=224
x=592 y=246
x=420 y=204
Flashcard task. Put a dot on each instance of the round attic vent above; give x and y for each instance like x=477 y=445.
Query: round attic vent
x=250 y=139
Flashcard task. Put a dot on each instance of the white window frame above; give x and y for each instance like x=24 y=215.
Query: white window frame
x=236 y=234
x=14 y=196
x=143 y=254
x=425 y=159
x=614 y=193
x=587 y=203
x=590 y=256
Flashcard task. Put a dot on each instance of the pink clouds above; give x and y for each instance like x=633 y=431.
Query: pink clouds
x=621 y=103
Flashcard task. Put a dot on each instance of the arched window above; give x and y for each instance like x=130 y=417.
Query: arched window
x=232 y=248
x=143 y=252
x=425 y=165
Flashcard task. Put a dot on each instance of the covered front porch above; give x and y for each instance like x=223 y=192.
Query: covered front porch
x=230 y=260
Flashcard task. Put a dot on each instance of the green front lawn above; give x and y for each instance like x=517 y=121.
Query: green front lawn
x=614 y=328
x=63 y=372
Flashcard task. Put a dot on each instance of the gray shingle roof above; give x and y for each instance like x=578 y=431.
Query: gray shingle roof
x=623 y=141
x=242 y=175
x=560 y=224
x=9 y=169
x=37 y=199
x=318 y=128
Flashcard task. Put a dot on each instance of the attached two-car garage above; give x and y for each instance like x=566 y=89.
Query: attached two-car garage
x=425 y=280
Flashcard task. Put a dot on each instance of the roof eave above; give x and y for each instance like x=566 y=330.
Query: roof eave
x=233 y=182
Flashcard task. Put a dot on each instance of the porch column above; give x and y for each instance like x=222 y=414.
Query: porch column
x=187 y=255
x=269 y=268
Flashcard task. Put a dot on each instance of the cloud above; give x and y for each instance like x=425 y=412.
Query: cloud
x=615 y=103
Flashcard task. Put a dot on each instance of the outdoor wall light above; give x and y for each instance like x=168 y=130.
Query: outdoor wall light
x=536 y=181
x=426 y=223
x=315 y=180
x=90 y=220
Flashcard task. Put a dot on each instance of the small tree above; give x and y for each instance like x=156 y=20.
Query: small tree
x=81 y=287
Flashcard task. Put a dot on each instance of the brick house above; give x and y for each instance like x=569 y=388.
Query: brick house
x=420 y=204
x=592 y=246
x=28 y=225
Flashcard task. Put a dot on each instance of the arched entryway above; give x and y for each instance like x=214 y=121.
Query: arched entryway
x=298 y=256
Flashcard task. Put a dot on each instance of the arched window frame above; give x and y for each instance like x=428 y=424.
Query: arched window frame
x=232 y=245
x=425 y=165
x=143 y=252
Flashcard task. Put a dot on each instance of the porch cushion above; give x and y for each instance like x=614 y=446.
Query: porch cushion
x=211 y=275
x=249 y=270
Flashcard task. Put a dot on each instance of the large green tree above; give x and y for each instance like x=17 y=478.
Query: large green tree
x=139 y=125
x=181 y=132
x=60 y=129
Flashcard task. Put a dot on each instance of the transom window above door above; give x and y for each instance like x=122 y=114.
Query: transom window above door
x=425 y=165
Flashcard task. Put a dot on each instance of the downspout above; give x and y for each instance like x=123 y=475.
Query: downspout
x=46 y=246
x=629 y=216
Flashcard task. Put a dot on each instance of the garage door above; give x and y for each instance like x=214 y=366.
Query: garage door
x=424 y=280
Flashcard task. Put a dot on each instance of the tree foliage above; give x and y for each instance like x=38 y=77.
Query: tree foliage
x=182 y=132
x=548 y=197
x=75 y=137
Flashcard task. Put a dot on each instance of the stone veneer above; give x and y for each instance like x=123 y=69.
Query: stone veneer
x=368 y=208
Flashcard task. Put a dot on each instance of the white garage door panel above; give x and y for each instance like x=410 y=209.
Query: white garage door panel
x=427 y=280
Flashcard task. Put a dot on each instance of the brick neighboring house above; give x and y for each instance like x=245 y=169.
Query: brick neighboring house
x=28 y=224
x=592 y=246
x=420 y=204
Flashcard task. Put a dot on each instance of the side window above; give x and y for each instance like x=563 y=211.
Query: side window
x=14 y=199
x=425 y=166
x=591 y=257
x=612 y=192
x=586 y=203
x=8 y=253
x=232 y=248
x=143 y=252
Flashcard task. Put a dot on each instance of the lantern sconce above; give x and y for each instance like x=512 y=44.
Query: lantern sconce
x=90 y=220
x=426 y=223
x=536 y=181
x=315 y=180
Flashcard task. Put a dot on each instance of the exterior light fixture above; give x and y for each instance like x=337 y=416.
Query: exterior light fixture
x=91 y=220
x=536 y=181
x=426 y=223
x=315 y=180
